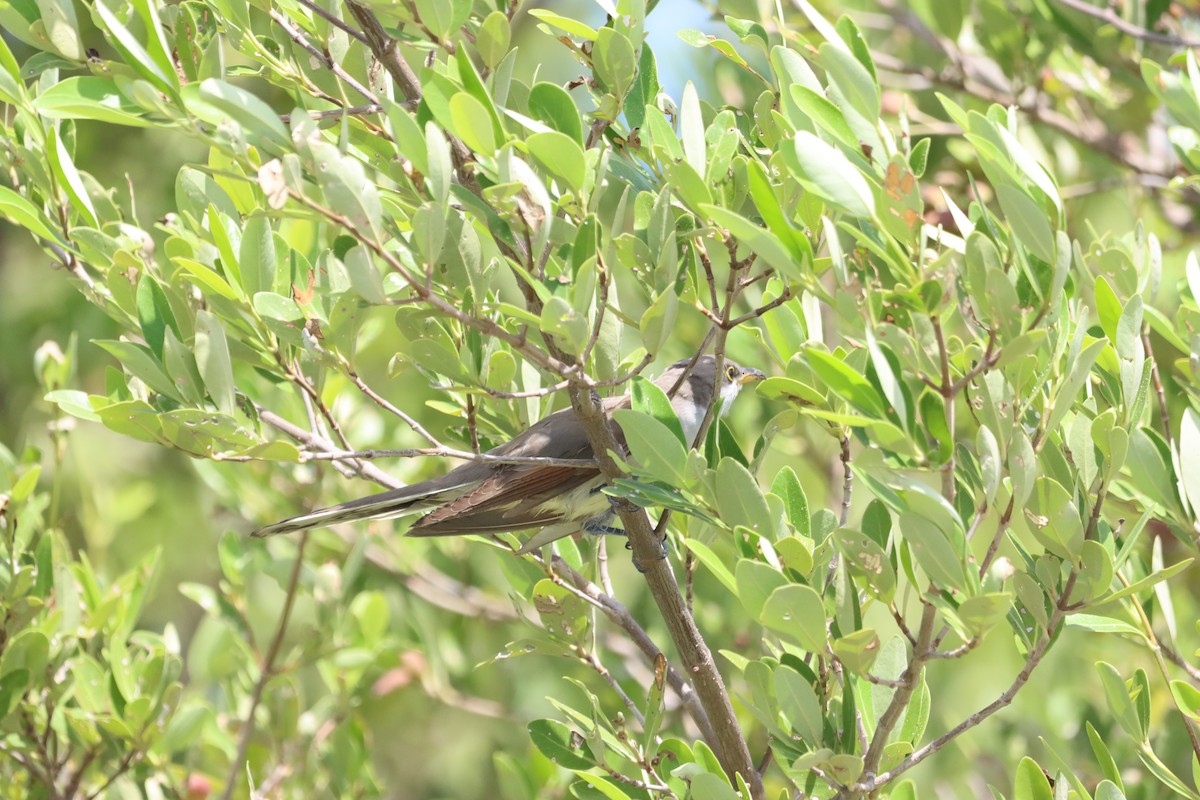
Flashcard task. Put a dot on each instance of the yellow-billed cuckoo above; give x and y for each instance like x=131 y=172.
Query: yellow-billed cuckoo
x=483 y=497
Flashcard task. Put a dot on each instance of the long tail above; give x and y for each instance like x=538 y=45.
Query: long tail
x=394 y=503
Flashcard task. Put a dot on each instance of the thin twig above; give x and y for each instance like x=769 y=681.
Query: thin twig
x=485 y=326
x=594 y=663
x=447 y=452
x=878 y=681
x=1006 y=697
x=1181 y=662
x=957 y=652
x=847 y=481
x=337 y=113
x=1157 y=651
x=334 y=20
x=267 y=669
x=1164 y=413
x=619 y=614
x=1111 y=17
x=1089 y=133
x=299 y=38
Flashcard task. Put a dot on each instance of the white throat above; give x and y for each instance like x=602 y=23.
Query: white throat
x=690 y=416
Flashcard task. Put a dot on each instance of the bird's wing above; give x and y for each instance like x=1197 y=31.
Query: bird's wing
x=514 y=497
x=508 y=501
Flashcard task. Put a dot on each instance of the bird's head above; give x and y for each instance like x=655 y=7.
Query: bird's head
x=703 y=380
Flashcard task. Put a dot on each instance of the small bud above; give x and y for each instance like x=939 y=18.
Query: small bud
x=1003 y=569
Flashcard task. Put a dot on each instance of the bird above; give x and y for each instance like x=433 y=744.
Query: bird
x=496 y=497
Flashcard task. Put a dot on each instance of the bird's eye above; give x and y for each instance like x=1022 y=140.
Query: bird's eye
x=731 y=373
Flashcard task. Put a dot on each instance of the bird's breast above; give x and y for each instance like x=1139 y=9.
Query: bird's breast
x=581 y=503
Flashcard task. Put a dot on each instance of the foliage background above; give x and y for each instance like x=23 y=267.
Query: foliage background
x=119 y=500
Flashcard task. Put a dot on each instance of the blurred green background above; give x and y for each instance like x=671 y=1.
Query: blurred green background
x=121 y=499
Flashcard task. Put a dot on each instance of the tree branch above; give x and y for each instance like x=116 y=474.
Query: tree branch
x=267 y=669
x=1111 y=17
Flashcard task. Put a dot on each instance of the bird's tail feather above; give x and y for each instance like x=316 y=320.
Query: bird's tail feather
x=394 y=503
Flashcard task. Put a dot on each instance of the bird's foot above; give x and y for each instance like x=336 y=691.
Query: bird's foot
x=662 y=543
x=604 y=530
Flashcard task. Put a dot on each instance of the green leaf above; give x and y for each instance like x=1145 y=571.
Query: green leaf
x=216 y=101
x=739 y=500
x=164 y=78
x=1069 y=390
x=493 y=38
x=984 y=611
x=851 y=78
x=1097 y=624
x=1096 y=574
x=847 y=382
x=563 y=613
x=645 y=88
x=919 y=156
x=1151 y=580
x=566 y=24
x=90 y=684
x=560 y=320
x=1028 y=221
x=1189 y=458
x=70 y=179
x=988 y=452
x=556 y=742
x=277 y=307
x=688 y=184
x=824 y=113
x=829 y=174
x=797 y=612
x=438 y=178
x=559 y=155
x=654 y=447
x=857 y=650
x=1164 y=774
x=24 y=214
x=916 y=718
x=473 y=123
x=154 y=314
x=29 y=650
x=755 y=583
x=1030 y=782
x=658 y=323
x=648 y=398
x=443 y=18
x=691 y=129
x=706 y=556
x=769 y=207
x=1108 y=307
x=613 y=60
x=552 y=105
x=799 y=704
x=888 y=381
x=867 y=560
x=932 y=551
x=140 y=362
x=256 y=255
x=212 y=359
x=1187 y=698
x=1130 y=353
x=795 y=502
x=61 y=27
x=74 y=403
x=1054 y=519
x=1104 y=758
x=348 y=190
x=1119 y=702
x=769 y=247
